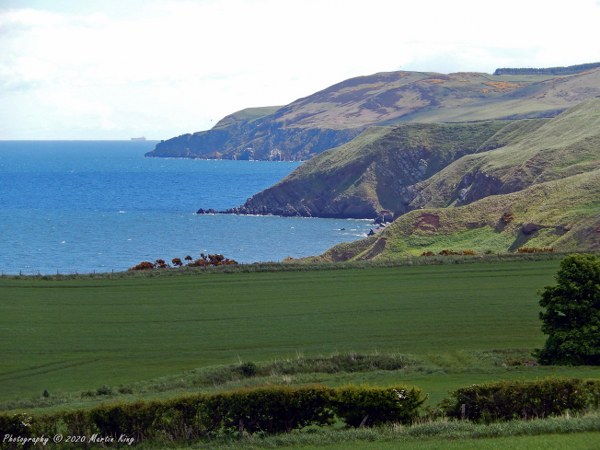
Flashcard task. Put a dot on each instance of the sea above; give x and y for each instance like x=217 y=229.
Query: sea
x=101 y=206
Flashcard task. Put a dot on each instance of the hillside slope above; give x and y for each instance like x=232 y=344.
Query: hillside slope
x=336 y=115
x=391 y=170
x=562 y=214
x=374 y=173
x=557 y=148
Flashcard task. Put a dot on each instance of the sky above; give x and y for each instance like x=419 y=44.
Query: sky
x=116 y=69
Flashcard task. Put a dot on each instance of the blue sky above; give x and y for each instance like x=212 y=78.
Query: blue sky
x=108 y=69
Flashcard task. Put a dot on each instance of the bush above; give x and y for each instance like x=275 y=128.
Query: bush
x=507 y=217
x=144 y=265
x=375 y=406
x=16 y=425
x=104 y=390
x=133 y=420
x=509 y=400
x=535 y=250
x=188 y=418
x=248 y=369
x=272 y=410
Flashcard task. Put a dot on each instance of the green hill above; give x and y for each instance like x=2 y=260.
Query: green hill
x=375 y=172
x=533 y=153
x=458 y=180
x=563 y=215
x=335 y=115
x=393 y=170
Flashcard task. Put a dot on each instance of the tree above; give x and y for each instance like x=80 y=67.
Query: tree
x=572 y=316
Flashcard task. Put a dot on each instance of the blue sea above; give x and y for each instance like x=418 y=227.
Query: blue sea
x=101 y=206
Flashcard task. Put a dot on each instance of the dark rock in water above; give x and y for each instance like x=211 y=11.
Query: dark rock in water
x=206 y=211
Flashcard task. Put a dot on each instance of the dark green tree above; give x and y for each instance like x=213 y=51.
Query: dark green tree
x=572 y=313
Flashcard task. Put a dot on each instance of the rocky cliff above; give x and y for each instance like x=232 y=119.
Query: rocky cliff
x=373 y=176
x=333 y=116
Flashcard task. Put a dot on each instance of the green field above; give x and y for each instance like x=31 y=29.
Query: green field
x=458 y=323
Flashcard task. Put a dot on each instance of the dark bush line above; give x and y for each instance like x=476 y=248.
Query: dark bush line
x=508 y=400
x=213 y=260
x=278 y=409
x=267 y=410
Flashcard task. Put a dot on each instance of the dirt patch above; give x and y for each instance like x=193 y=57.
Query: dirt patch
x=428 y=222
x=376 y=249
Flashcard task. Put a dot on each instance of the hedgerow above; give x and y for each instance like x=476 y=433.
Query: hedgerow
x=267 y=410
x=509 y=400
x=376 y=406
x=279 y=409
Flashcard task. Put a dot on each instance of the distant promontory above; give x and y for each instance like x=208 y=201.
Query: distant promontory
x=339 y=113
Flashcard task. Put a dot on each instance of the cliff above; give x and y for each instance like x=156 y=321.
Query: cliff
x=538 y=185
x=376 y=174
x=336 y=115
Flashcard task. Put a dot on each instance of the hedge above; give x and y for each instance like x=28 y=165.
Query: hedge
x=509 y=400
x=279 y=409
x=266 y=410
x=375 y=406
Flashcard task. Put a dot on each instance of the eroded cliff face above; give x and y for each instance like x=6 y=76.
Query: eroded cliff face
x=388 y=171
x=260 y=140
x=377 y=179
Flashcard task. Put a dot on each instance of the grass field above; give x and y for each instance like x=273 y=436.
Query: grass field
x=548 y=434
x=579 y=441
x=458 y=324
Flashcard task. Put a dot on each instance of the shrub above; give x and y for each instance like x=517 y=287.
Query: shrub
x=177 y=262
x=509 y=400
x=507 y=217
x=273 y=409
x=248 y=369
x=144 y=265
x=447 y=252
x=16 y=425
x=133 y=420
x=188 y=418
x=79 y=423
x=535 y=250
x=344 y=362
x=375 y=406
x=104 y=390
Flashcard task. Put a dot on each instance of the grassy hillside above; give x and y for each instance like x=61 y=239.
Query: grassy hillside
x=333 y=116
x=562 y=214
x=245 y=116
x=413 y=166
x=374 y=172
x=457 y=324
x=558 y=148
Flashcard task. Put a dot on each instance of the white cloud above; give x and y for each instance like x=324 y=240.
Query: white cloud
x=173 y=66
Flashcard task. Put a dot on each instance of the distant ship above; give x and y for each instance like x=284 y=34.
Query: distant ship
x=141 y=138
